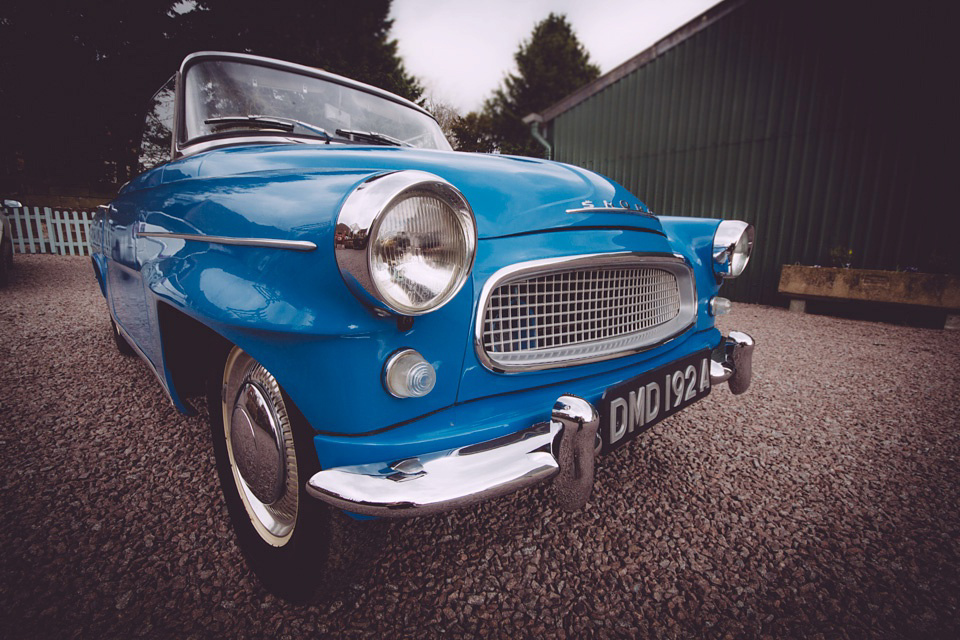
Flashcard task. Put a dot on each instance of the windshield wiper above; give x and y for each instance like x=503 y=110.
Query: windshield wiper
x=266 y=122
x=371 y=136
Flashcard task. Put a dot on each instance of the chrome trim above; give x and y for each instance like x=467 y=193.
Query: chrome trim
x=577 y=451
x=611 y=210
x=563 y=449
x=725 y=240
x=732 y=362
x=267 y=243
x=274 y=518
x=444 y=480
x=362 y=213
x=686 y=282
x=256 y=440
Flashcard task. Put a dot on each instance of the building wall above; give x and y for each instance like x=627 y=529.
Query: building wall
x=826 y=125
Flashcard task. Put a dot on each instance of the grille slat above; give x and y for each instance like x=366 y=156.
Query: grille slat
x=579 y=313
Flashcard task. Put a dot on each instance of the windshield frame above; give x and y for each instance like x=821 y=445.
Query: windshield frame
x=184 y=146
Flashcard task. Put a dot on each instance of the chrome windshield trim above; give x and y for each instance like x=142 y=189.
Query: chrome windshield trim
x=267 y=243
x=676 y=265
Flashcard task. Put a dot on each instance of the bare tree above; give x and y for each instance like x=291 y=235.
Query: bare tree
x=446 y=114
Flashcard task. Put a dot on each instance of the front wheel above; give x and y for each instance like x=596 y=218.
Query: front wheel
x=264 y=453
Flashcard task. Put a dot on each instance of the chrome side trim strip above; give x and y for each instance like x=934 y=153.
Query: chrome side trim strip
x=675 y=264
x=267 y=243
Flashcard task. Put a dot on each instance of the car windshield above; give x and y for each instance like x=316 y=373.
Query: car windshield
x=224 y=96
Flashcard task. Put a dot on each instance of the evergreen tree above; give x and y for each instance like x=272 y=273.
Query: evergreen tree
x=76 y=76
x=474 y=132
x=550 y=66
x=346 y=38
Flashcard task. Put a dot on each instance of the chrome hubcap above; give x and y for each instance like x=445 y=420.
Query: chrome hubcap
x=257 y=442
x=260 y=447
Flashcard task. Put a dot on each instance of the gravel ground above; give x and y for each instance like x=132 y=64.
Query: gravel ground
x=824 y=502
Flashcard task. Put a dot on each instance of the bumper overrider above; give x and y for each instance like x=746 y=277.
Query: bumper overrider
x=563 y=449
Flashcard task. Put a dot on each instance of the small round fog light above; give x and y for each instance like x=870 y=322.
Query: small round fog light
x=407 y=375
x=720 y=306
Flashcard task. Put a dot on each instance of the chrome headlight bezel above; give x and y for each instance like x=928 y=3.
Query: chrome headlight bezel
x=365 y=209
x=732 y=246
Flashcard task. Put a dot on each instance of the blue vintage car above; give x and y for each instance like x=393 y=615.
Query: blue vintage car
x=384 y=327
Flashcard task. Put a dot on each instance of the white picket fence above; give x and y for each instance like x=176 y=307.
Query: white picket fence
x=47 y=230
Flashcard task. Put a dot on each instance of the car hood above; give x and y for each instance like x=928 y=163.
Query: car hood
x=509 y=195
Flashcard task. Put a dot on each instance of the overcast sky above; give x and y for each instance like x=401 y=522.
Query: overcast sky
x=461 y=49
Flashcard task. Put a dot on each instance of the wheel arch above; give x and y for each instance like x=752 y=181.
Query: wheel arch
x=192 y=351
x=99 y=271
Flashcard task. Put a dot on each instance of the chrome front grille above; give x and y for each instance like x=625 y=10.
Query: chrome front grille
x=551 y=313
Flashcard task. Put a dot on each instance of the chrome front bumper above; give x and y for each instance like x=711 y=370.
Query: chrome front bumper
x=564 y=449
x=732 y=362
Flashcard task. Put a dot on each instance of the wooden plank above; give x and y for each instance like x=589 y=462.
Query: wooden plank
x=37 y=218
x=17 y=213
x=88 y=250
x=61 y=238
x=41 y=239
x=51 y=230
x=78 y=240
x=69 y=235
x=28 y=220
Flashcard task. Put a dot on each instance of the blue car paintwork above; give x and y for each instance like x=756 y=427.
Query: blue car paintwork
x=508 y=195
x=292 y=312
x=495 y=416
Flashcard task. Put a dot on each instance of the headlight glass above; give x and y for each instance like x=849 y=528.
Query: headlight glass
x=419 y=253
x=406 y=241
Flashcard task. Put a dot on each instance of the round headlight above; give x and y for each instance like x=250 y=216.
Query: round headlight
x=732 y=246
x=407 y=240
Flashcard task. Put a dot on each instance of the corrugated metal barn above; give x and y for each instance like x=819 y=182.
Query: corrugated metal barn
x=829 y=126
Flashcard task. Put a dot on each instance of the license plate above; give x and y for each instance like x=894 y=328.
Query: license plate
x=631 y=407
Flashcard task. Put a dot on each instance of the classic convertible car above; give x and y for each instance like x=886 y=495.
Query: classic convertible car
x=384 y=327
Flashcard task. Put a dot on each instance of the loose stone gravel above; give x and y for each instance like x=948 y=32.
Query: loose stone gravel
x=822 y=503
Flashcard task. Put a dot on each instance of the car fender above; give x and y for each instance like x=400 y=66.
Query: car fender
x=289 y=309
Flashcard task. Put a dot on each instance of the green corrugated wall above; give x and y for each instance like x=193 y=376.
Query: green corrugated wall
x=823 y=124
